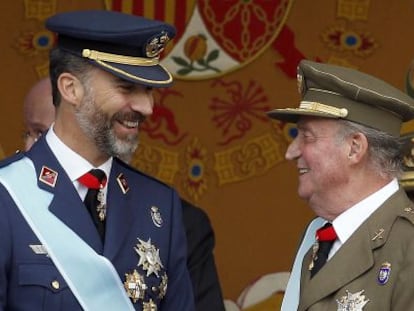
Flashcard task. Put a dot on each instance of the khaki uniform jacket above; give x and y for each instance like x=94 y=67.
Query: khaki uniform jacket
x=350 y=280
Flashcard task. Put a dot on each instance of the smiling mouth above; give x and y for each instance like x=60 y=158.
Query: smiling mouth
x=303 y=171
x=130 y=124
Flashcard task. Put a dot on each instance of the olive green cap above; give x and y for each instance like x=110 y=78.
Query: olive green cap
x=332 y=91
x=407 y=177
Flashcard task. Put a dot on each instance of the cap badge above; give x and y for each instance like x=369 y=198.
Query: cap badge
x=122 y=182
x=48 y=176
x=352 y=302
x=135 y=286
x=156 y=216
x=149 y=257
x=156 y=45
x=384 y=273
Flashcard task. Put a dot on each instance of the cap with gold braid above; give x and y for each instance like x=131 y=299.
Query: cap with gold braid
x=331 y=91
x=126 y=45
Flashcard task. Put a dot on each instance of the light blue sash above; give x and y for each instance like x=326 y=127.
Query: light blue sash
x=291 y=296
x=91 y=277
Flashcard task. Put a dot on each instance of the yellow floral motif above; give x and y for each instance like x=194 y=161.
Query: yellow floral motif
x=253 y=158
x=158 y=162
x=353 y=9
x=39 y=9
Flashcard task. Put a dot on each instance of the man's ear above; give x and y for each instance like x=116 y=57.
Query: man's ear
x=358 y=146
x=70 y=88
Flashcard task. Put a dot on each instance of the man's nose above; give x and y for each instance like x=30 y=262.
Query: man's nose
x=143 y=102
x=292 y=151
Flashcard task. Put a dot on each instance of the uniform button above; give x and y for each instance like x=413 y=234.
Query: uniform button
x=154 y=289
x=55 y=284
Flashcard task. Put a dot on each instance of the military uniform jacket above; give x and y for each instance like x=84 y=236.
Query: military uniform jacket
x=30 y=281
x=373 y=270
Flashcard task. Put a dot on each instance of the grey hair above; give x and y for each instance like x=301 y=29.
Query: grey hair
x=384 y=150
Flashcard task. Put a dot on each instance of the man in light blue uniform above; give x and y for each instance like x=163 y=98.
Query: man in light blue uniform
x=52 y=257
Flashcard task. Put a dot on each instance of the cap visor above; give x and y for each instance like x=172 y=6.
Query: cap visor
x=292 y=115
x=154 y=76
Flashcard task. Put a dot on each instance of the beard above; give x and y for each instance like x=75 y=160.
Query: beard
x=98 y=127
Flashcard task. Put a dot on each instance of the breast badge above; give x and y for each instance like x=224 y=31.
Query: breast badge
x=352 y=302
x=156 y=216
x=135 y=286
x=39 y=249
x=149 y=306
x=150 y=271
x=149 y=257
x=384 y=273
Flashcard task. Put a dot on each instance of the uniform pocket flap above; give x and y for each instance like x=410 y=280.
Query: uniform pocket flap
x=41 y=275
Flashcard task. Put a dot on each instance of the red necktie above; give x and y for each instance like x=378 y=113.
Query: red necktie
x=325 y=237
x=95 y=181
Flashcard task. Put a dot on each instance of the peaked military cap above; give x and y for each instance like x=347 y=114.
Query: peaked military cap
x=126 y=45
x=407 y=177
x=331 y=91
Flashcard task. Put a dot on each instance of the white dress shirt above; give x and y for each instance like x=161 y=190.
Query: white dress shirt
x=74 y=165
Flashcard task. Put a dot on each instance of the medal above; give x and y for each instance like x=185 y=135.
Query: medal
x=149 y=306
x=315 y=248
x=135 y=286
x=101 y=208
x=352 y=302
x=149 y=257
x=163 y=286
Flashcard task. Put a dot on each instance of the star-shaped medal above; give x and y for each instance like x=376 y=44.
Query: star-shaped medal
x=149 y=257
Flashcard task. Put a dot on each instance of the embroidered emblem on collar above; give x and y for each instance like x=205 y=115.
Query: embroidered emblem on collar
x=122 y=182
x=156 y=216
x=378 y=234
x=352 y=302
x=48 y=176
x=135 y=286
x=149 y=257
x=384 y=273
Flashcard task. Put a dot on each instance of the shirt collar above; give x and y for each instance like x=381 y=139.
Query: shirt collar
x=349 y=221
x=73 y=164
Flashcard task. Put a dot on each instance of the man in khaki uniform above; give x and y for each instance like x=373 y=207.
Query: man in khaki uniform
x=348 y=156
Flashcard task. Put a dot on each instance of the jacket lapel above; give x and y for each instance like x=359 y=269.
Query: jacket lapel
x=66 y=203
x=337 y=271
x=344 y=266
x=120 y=209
